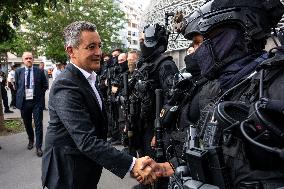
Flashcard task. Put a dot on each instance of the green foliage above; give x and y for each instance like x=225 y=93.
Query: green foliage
x=12 y=11
x=12 y=126
x=16 y=45
x=44 y=34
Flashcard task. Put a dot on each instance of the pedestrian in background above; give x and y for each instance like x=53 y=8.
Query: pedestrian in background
x=11 y=85
x=4 y=87
x=41 y=67
x=31 y=85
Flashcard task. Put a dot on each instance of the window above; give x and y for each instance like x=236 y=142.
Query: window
x=134 y=42
x=134 y=25
x=129 y=32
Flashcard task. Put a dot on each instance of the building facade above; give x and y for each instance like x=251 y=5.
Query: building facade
x=131 y=32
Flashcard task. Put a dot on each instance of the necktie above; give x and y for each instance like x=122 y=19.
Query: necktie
x=28 y=78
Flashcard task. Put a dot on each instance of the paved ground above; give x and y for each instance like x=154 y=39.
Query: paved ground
x=21 y=168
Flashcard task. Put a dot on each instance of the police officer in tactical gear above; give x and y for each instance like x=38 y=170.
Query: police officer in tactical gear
x=234 y=114
x=117 y=87
x=157 y=71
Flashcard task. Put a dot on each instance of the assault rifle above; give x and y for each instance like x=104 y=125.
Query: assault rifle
x=128 y=131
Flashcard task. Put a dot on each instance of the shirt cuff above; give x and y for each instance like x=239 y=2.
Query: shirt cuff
x=132 y=164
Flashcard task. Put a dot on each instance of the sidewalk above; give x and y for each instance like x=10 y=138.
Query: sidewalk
x=19 y=168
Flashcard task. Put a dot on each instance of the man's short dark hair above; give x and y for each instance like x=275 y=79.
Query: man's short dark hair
x=72 y=32
x=119 y=50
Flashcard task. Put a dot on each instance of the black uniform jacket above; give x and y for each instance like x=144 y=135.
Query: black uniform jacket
x=75 y=145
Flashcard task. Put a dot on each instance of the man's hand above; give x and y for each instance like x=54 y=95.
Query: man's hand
x=153 y=142
x=144 y=173
x=190 y=50
x=160 y=169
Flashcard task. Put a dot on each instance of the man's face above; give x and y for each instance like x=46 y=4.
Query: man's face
x=115 y=53
x=41 y=66
x=88 y=54
x=121 y=58
x=106 y=58
x=28 y=59
x=132 y=59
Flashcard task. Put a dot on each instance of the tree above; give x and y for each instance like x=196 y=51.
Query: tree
x=11 y=14
x=45 y=33
x=13 y=11
x=3 y=59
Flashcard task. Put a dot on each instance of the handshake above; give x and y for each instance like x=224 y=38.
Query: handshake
x=147 y=171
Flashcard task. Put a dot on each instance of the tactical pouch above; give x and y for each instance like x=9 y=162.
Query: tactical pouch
x=208 y=166
x=168 y=115
x=198 y=164
x=147 y=108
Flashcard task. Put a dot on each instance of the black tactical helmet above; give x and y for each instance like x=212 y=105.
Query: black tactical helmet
x=155 y=34
x=255 y=17
x=155 y=40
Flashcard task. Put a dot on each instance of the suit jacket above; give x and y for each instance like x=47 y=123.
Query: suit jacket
x=40 y=86
x=75 y=144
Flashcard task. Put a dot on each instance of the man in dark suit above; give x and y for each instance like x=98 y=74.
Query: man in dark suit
x=76 y=149
x=31 y=84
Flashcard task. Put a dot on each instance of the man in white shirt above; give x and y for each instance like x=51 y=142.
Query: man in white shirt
x=11 y=85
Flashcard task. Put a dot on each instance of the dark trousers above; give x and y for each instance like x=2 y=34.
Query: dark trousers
x=29 y=109
x=146 y=137
x=115 y=133
x=13 y=94
x=43 y=102
x=4 y=97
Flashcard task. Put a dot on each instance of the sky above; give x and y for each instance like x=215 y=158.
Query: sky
x=145 y=3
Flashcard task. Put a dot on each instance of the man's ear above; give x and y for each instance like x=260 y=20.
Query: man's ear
x=70 y=51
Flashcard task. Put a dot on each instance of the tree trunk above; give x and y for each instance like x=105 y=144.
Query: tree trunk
x=3 y=60
x=1 y=114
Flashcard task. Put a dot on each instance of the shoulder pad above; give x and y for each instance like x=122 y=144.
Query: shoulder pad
x=163 y=58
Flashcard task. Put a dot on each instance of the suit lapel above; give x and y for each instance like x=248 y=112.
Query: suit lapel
x=35 y=71
x=22 y=76
x=84 y=83
x=93 y=93
x=103 y=104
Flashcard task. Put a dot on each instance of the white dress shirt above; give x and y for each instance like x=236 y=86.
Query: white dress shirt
x=91 y=77
x=11 y=76
x=31 y=76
